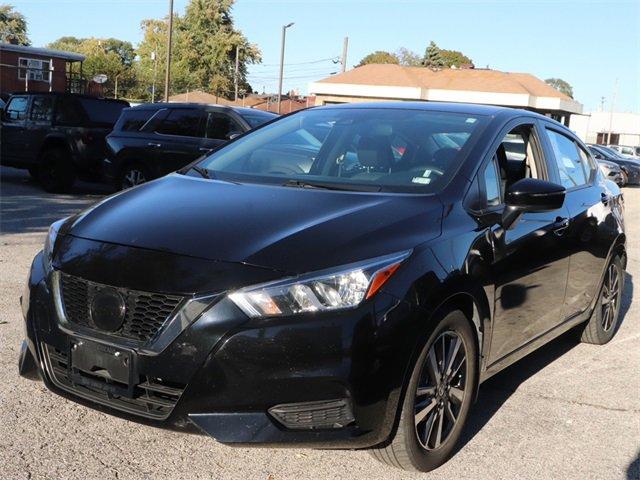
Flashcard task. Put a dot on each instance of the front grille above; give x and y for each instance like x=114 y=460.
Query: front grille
x=153 y=398
x=311 y=415
x=145 y=313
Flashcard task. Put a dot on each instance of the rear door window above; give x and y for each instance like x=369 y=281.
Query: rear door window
x=183 y=122
x=134 y=120
x=42 y=109
x=220 y=126
x=17 y=108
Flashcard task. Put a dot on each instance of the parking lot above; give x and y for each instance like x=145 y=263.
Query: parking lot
x=569 y=411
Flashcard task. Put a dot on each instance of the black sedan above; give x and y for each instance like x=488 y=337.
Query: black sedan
x=630 y=168
x=344 y=277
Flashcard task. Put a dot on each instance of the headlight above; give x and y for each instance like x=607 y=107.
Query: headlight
x=50 y=241
x=334 y=289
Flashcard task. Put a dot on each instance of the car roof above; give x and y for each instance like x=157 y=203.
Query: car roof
x=470 y=108
x=66 y=94
x=160 y=105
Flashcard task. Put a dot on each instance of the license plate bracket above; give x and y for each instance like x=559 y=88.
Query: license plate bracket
x=101 y=366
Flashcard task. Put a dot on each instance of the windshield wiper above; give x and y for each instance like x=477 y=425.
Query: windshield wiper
x=330 y=186
x=204 y=173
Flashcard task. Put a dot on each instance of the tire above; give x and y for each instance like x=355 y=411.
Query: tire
x=604 y=320
x=56 y=172
x=405 y=449
x=133 y=174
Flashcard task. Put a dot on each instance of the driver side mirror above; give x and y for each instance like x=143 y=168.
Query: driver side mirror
x=531 y=195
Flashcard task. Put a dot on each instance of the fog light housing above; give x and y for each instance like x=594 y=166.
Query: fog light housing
x=326 y=414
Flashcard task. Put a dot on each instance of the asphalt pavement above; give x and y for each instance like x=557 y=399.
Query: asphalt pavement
x=568 y=411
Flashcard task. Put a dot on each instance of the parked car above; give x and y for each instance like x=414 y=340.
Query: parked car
x=152 y=140
x=613 y=172
x=626 y=150
x=57 y=136
x=630 y=167
x=269 y=300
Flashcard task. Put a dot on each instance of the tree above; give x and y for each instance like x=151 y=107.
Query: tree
x=436 y=57
x=110 y=56
x=561 y=86
x=204 y=54
x=408 y=58
x=454 y=58
x=433 y=56
x=13 y=26
x=379 y=56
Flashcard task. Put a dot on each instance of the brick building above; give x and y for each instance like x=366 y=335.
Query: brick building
x=39 y=70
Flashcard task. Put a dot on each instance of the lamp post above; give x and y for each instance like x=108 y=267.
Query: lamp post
x=284 y=36
x=167 y=73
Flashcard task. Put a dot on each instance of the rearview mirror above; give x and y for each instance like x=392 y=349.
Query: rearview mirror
x=531 y=195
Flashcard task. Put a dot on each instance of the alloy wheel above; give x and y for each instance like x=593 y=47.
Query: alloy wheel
x=441 y=390
x=132 y=178
x=610 y=297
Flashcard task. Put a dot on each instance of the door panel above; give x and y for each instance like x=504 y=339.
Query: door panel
x=590 y=235
x=176 y=141
x=13 y=139
x=38 y=123
x=531 y=268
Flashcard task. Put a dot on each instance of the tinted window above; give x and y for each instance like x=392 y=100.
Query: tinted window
x=102 y=112
x=17 y=108
x=219 y=126
x=185 y=122
x=491 y=185
x=42 y=109
x=379 y=148
x=134 y=120
x=257 y=118
x=67 y=111
x=573 y=166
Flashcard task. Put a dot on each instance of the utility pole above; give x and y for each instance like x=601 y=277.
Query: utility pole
x=154 y=58
x=235 y=76
x=345 y=48
x=167 y=75
x=284 y=36
x=613 y=101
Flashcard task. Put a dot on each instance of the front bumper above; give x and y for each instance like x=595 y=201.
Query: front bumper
x=242 y=380
x=633 y=176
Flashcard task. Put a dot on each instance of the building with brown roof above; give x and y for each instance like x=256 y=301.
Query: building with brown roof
x=376 y=82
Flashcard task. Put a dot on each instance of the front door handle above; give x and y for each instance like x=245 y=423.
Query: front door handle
x=205 y=149
x=560 y=226
x=154 y=144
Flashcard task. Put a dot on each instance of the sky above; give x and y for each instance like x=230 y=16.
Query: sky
x=592 y=45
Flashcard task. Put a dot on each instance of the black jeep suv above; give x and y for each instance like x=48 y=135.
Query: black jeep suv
x=57 y=136
x=152 y=140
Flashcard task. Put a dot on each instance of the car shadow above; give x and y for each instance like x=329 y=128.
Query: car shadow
x=496 y=391
x=25 y=208
x=633 y=471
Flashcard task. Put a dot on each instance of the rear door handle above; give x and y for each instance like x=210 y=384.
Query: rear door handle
x=560 y=226
x=154 y=144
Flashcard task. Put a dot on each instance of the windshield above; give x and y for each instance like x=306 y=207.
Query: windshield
x=381 y=149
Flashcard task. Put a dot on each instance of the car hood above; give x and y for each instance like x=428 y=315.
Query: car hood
x=289 y=229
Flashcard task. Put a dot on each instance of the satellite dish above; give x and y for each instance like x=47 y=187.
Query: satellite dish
x=100 y=78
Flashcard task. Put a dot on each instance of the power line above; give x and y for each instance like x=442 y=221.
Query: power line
x=297 y=63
